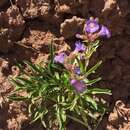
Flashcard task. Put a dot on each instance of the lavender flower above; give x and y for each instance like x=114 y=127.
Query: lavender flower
x=79 y=46
x=91 y=26
x=77 y=70
x=79 y=86
x=60 y=58
x=104 y=32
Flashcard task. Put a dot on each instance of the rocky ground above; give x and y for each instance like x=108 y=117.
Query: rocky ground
x=26 y=28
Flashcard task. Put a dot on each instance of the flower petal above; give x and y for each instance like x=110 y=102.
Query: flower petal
x=105 y=32
x=79 y=46
x=77 y=70
x=60 y=58
x=79 y=86
x=91 y=26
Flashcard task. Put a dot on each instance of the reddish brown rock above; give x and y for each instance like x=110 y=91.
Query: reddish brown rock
x=12 y=27
x=72 y=26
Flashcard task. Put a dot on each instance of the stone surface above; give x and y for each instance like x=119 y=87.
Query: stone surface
x=11 y=28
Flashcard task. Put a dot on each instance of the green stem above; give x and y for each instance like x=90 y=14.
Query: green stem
x=85 y=120
x=84 y=115
x=79 y=121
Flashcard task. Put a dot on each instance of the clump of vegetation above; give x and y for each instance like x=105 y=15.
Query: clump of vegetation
x=60 y=90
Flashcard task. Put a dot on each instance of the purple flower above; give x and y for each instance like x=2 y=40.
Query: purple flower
x=79 y=46
x=77 y=70
x=79 y=86
x=104 y=32
x=91 y=26
x=60 y=58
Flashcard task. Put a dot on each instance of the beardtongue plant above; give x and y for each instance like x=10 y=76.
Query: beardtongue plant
x=61 y=91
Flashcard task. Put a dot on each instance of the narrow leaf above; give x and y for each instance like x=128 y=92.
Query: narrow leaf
x=91 y=102
x=92 y=70
x=99 y=91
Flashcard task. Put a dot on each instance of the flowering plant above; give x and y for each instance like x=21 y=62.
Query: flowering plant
x=61 y=90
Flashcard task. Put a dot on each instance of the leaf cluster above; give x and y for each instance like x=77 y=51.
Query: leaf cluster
x=52 y=99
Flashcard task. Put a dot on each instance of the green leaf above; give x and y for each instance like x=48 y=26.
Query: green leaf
x=90 y=114
x=63 y=115
x=92 y=70
x=80 y=64
x=77 y=120
x=91 y=82
x=39 y=114
x=33 y=67
x=24 y=80
x=59 y=118
x=91 y=102
x=57 y=75
x=99 y=91
x=92 y=47
x=65 y=79
x=30 y=108
x=17 y=84
x=17 y=98
x=74 y=103
x=43 y=123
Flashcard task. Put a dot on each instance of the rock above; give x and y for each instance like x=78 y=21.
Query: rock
x=112 y=13
x=12 y=27
x=39 y=40
x=33 y=9
x=71 y=26
x=13 y=17
x=120 y=115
